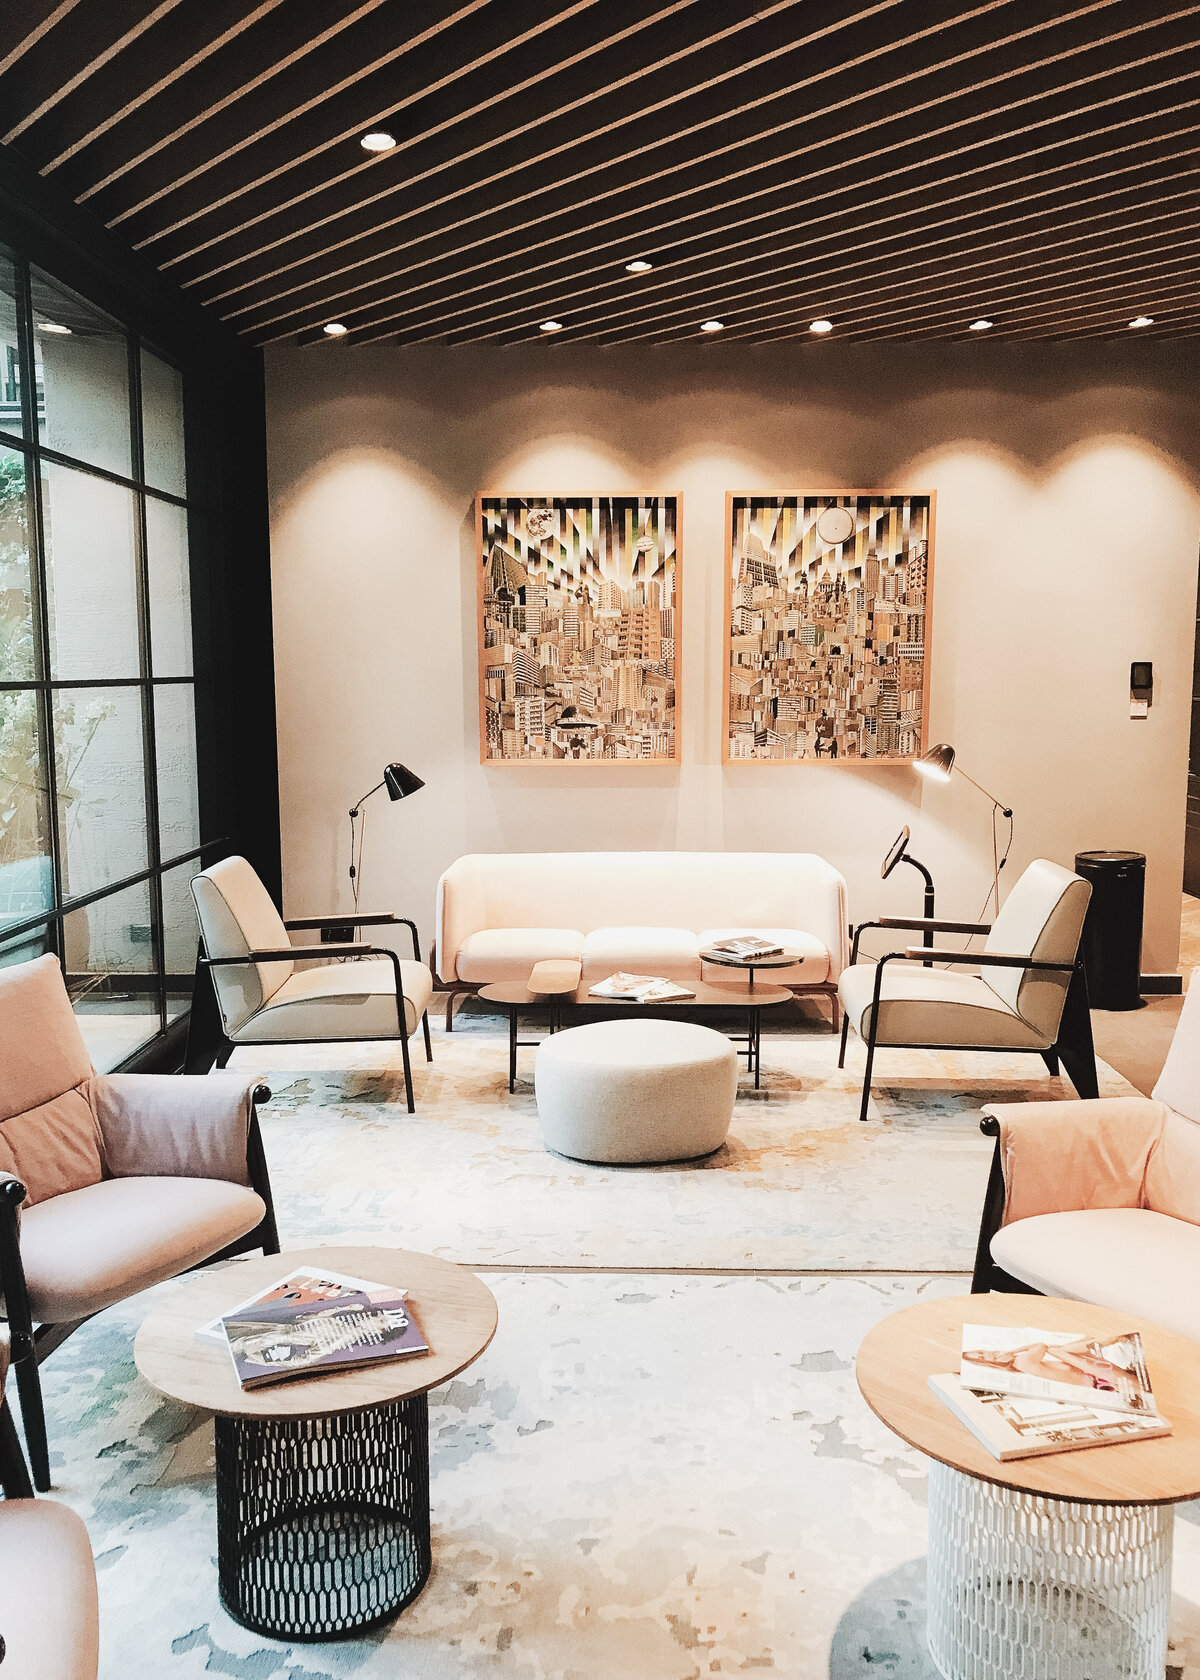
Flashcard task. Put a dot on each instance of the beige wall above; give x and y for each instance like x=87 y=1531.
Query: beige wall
x=1067 y=527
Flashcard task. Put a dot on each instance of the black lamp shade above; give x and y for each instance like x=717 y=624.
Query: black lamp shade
x=936 y=762
x=400 y=781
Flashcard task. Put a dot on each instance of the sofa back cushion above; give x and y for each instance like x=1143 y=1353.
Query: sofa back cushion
x=1172 y=1184
x=237 y=914
x=590 y=890
x=1179 y=1082
x=48 y=1134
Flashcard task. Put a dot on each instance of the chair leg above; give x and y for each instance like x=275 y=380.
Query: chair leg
x=428 y=1045
x=223 y=1054
x=866 y=1090
x=408 y=1084
x=33 y=1416
x=845 y=1032
x=14 y=1474
x=1075 y=1048
x=450 y=997
x=1050 y=1057
x=835 y=1012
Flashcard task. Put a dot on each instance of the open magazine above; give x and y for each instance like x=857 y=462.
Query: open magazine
x=1052 y=1365
x=639 y=988
x=305 y=1286
x=1022 y=1426
x=747 y=945
x=270 y=1344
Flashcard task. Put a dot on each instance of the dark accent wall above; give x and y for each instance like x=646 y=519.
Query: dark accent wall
x=226 y=463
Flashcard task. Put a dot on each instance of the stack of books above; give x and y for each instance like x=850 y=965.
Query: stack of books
x=1024 y=1392
x=639 y=988
x=746 y=945
x=312 y=1323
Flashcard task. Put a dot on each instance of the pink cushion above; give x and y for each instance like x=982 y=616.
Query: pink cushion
x=53 y=1148
x=42 y=1053
x=50 y=1620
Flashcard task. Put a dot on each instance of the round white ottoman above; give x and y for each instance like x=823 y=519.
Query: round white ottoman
x=640 y=1090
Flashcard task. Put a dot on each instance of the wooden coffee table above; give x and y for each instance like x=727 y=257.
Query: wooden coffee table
x=515 y=997
x=323 y=1482
x=1053 y=1568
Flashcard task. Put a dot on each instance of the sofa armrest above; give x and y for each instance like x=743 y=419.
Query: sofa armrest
x=170 y=1125
x=1060 y=1157
x=460 y=911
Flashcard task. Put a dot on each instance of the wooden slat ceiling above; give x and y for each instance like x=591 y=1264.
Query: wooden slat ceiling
x=900 y=168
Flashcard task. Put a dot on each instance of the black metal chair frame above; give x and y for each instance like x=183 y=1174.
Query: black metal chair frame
x=31 y=1345
x=987 y=1274
x=206 y=1012
x=1073 y=1046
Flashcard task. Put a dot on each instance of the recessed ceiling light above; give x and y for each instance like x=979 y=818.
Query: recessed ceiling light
x=379 y=140
x=821 y=326
x=550 y=326
x=1142 y=321
x=334 y=329
x=53 y=327
x=639 y=265
x=712 y=326
x=982 y=325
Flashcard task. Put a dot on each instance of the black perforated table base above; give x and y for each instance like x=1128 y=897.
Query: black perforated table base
x=323 y=1522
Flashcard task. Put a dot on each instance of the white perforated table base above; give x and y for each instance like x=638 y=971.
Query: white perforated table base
x=1022 y=1587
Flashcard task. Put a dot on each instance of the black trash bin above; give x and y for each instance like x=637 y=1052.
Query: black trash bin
x=1112 y=930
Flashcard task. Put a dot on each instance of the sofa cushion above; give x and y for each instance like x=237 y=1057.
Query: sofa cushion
x=340 y=1000
x=50 y=1618
x=1172 y=1183
x=508 y=953
x=42 y=1053
x=1130 y=1259
x=669 y=952
x=933 y=1006
x=811 y=970
x=91 y=1247
x=53 y=1148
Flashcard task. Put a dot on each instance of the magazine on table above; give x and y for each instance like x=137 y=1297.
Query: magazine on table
x=270 y=1344
x=306 y=1286
x=1025 y=1426
x=1108 y=1373
x=639 y=988
x=746 y=945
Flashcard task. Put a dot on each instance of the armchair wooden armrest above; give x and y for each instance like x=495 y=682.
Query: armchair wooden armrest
x=934 y=924
x=981 y=959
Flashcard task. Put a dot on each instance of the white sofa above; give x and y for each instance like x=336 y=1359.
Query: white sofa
x=498 y=913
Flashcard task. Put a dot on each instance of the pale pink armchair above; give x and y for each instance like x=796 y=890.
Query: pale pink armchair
x=1100 y=1200
x=108 y=1183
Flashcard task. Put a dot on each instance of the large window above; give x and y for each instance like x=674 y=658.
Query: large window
x=99 y=809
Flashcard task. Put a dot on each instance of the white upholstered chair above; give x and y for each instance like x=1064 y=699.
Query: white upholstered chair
x=1100 y=1201
x=108 y=1182
x=1030 y=992
x=264 y=998
x=49 y=1614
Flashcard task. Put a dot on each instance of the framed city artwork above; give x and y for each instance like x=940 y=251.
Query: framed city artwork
x=578 y=621
x=827 y=615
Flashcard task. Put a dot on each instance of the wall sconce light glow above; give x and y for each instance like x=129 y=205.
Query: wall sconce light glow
x=639 y=265
x=982 y=325
x=821 y=326
x=712 y=326
x=54 y=327
x=1142 y=321
x=334 y=329
x=550 y=326
x=379 y=140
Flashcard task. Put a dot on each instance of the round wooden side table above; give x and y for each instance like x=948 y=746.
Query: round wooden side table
x=323 y=1482
x=1050 y=1568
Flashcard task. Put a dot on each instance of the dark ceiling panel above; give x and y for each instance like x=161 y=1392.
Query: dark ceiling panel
x=900 y=166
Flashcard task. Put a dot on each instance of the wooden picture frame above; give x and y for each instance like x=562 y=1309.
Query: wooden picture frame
x=867 y=507
x=619 y=556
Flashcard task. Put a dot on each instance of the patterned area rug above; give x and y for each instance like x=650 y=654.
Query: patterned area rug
x=646 y=1476
x=800 y=1185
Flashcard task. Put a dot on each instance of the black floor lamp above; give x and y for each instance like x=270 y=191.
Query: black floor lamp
x=400 y=781
x=937 y=763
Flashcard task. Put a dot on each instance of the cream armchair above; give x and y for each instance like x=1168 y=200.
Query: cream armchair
x=108 y=1183
x=1100 y=1201
x=264 y=999
x=1030 y=992
x=49 y=1615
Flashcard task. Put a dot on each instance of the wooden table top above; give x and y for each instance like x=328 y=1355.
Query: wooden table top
x=899 y=1355
x=707 y=996
x=455 y=1310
